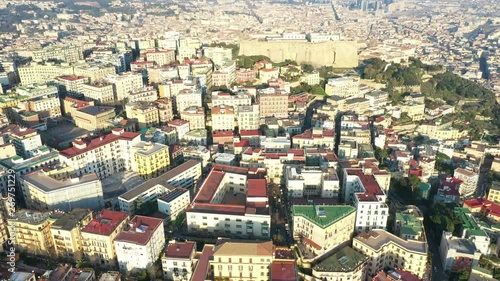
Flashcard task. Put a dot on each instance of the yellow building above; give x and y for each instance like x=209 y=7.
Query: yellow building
x=93 y=117
x=31 y=231
x=97 y=237
x=322 y=228
x=494 y=194
x=150 y=159
x=415 y=111
x=66 y=233
x=242 y=260
x=388 y=250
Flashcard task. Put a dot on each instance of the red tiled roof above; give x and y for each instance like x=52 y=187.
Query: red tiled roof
x=257 y=188
x=177 y=122
x=148 y=226
x=201 y=270
x=284 y=271
x=219 y=133
x=179 y=250
x=19 y=131
x=310 y=242
x=372 y=188
x=248 y=133
x=98 y=142
x=242 y=143
x=72 y=77
x=105 y=222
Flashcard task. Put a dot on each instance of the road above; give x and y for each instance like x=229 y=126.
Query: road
x=483 y=177
x=433 y=240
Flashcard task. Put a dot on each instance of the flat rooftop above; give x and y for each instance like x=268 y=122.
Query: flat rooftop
x=105 y=222
x=70 y=220
x=323 y=216
x=378 y=238
x=141 y=230
x=47 y=183
x=344 y=260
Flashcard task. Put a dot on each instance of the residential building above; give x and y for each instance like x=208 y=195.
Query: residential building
x=485 y=208
x=222 y=118
x=104 y=155
x=69 y=54
x=66 y=233
x=146 y=114
x=387 y=250
x=71 y=105
x=218 y=55
x=150 y=159
x=396 y=275
x=22 y=276
x=273 y=103
x=230 y=203
x=409 y=224
x=197 y=137
x=305 y=181
x=187 y=98
x=32 y=231
x=181 y=127
x=457 y=253
x=236 y=100
x=197 y=152
x=25 y=141
x=145 y=238
x=322 y=228
x=343 y=87
x=174 y=203
x=124 y=83
x=185 y=175
x=42 y=99
x=44 y=156
x=222 y=78
x=95 y=72
x=268 y=73
x=248 y=117
x=494 y=193
x=242 y=260
x=110 y=276
x=50 y=189
x=195 y=116
x=310 y=78
x=165 y=110
x=39 y=73
x=98 y=235
x=469 y=179
x=471 y=230
x=93 y=118
x=161 y=57
x=314 y=138
x=71 y=85
x=146 y=93
x=100 y=92
x=179 y=261
x=245 y=75
x=344 y=264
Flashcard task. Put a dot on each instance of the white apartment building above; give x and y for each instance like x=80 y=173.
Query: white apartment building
x=26 y=141
x=95 y=72
x=172 y=88
x=470 y=180
x=240 y=99
x=181 y=126
x=229 y=204
x=124 y=83
x=179 y=261
x=312 y=181
x=174 y=202
x=161 y=57
x=188 y=98
x=100 y=92
x=248 y=117
x=344 y=87
x=71 y=84
x=103 y=155
x=185 y=175
x=360 y=188
x=69 y=54
x=385 y=249
x=43 y=191
x=144 y=238
x=147 y=94
x=43 y=99
x=197 y=152
x=457 y=253
x=322 y=228
x=218 y=55
x=42 y=73
x=195 y=116
x=222 y=118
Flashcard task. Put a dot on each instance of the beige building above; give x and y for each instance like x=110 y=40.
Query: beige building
x=146 y=114
x=388 y=250
x=273 y=103
x=266 y=74
x=222 y=118
x=187 y=98
x=343 y=87
x=99 y=91
x=161 y=57
x=69 y=54
x=124 y=83
x=71 y=84
x=195 y=116
x=42 y=73
x=310 y=78
x=242 y=260
x=165 y=110
x=93 y=117
x=416 y=111
x=248 y=117
x=95 y=72
x=147 y=93
x=494 y=194
x=218 y=55
x=32 y=231
x=66 y=233
x=222 y=78
x=322 y=228
x=98 y=235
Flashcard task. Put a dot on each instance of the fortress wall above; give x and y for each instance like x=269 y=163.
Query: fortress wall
x=339 y=54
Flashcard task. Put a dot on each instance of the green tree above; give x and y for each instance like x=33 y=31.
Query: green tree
x=414 y=182
x=307 y=68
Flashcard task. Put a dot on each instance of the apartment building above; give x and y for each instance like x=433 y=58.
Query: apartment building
x=161 y=57
x=314 y=138
x=322 y=228
x=222 y=78
x=172 y=88
x=185 y=175
x=98 y=235
x=197 y=137
x=226 y=99
x=66 y=233
x=50 y=189
x=343 y=264
x=197 y=152
x=222 y=118
x=310 y=78
x=195 y=116
x=457 y=253
x=343 y=87
x=124 y=83
x=42 y=99
x=150 y=159
x=179 y=261
x=188 y=98
x=494 y=193
x=100 y=92
x=71 y=105
x=361 y=188
x=147 y=94
x=174 y=203
x=25 y=140
x=268 y=73
x=71 y=84
x=218 y=55
x=230 y=203
x=181 y=127
x=103 y=155
x=273 y=103
x=143 y=237
x=485 y=208
x=93 y=118
x=165 y=110
x=32 y=231
x=304 y=181
x=40 y=73
x=69 y=54
x=408 y=224
x=248 y=117
x=245 y=75
x=387 y=250
x=95 y=72
x=470 y=180
x=146 y=114
x=242 y=260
